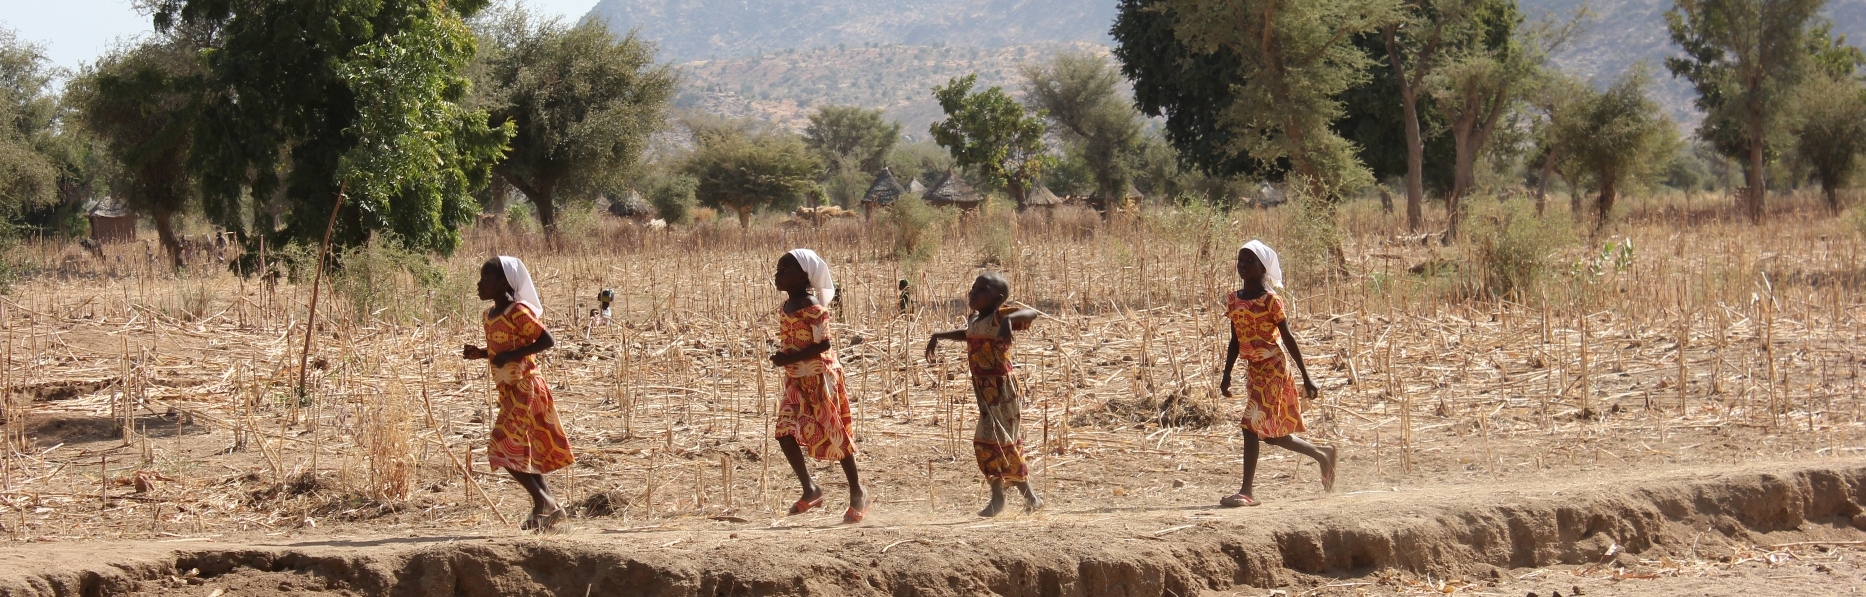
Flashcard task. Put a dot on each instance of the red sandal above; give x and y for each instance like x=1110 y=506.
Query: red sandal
x=803 y=506
x=1237 y=500
x=853 y=515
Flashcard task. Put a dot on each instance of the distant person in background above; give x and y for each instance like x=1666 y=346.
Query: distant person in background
x=1273 y=413
x=997 y=441
x=527 y=438
x=601 y=313
x=814 y=415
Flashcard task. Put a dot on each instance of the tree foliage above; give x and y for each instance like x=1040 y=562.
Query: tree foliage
x=583 y=104
x=854 y=144
x=307 y=98
x=1435 y=34
x=744 y=167
x=990 y=131
x=1829 y=127
x=1081 y=94
x=144 y=102
x=1612 y=140
x=1745 y=58
x=29 y=172
x=1295 y=60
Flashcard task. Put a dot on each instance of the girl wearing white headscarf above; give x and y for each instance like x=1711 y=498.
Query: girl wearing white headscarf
x=814 y=416
x=528 y=440
x=1274 y=411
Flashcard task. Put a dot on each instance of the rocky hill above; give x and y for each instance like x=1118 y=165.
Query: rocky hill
x=777 y=59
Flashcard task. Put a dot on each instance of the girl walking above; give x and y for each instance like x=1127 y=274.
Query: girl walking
x=997 y=441
x=1273 y=412
x=527 y=439
x=814 y=415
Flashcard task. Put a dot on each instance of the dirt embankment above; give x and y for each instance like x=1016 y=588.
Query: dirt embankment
x=1469 y=532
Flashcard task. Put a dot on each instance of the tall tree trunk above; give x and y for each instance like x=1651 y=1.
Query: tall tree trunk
x=1415 y=143
x=1463 y=173
x=745 y=216
x=165 y=230
x=1542 y=185
x=547 y=211
x=1608 y=192
x=1833 y=196
x=1753 y=174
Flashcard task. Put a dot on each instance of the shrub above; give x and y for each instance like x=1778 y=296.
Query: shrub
x=914 y=227
x=998 y=243
x=379 y=279
x=672 y=197
x=1511 y=247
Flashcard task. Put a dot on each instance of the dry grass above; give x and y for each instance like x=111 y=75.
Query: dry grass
x=1711 y=340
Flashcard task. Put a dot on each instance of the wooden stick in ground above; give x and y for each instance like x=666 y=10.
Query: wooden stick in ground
x=316 y=280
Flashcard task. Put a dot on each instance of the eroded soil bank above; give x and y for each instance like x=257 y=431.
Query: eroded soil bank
x=1470 y=533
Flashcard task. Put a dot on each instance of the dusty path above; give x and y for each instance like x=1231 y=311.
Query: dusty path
x=1761 y=527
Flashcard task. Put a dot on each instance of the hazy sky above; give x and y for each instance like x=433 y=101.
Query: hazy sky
x=73 y=32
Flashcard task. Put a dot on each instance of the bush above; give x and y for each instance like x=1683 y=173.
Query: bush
x=672 y=197
x=380 y=278
x=1313 y=235
x=998 y=243
x=914 y=227
x=1511 y=247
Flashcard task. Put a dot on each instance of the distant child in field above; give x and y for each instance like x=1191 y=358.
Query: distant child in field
x=1274 y=413
x=814 y=415
x=527 y=439
x=997 y=440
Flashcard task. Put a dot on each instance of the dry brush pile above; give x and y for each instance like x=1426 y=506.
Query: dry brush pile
x=153 y=403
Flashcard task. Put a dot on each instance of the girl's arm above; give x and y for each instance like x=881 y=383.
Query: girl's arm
x=1021 y=318
x=472 y=353
x=800 y=355
x=1231 y=360
x=933 y=341
x=1289 y=341
x=543 y=343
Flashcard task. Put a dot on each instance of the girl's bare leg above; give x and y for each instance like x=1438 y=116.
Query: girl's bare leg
x=997 y=500
x=858 y=495
x=1250 y=463
x=1032 y=503
x=794 y=454
x=1322 y=456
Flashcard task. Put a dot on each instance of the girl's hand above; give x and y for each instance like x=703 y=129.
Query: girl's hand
x=1224 y=387
x=931 y=343
x=1309 y=390
x=471 y=352
x=499 y=360
x=775 y=359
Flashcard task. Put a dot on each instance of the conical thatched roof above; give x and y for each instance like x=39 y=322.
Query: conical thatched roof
x=1040 y=196
x=630 y=205
x=916 y=188
x=108 y=207
x=951 y=190
x=884 y=191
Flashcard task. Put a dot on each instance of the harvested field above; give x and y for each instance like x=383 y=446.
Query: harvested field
x=1692 y=392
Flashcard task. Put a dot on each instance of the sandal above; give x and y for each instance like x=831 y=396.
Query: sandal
x=1328 y=477
x=853 y=515
x=1237 y=500
x=803 y=506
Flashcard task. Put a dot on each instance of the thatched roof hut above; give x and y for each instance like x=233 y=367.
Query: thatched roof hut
x=1040 y=196
x=884 y=191
x=952 y=190
x=630 y=205
x=111 y=221
x=916 y=188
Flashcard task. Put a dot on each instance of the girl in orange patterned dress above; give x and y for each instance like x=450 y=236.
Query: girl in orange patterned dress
x=1274 y=412
x=997 y=441
x=814 y=415
x=527 y=439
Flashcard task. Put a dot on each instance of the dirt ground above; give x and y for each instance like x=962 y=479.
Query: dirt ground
x=1492 y=405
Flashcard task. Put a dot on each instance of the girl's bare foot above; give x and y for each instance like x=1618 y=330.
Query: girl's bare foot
x=1328 y=469
x=1032 y=504
x=993 y=508
x=548 y=523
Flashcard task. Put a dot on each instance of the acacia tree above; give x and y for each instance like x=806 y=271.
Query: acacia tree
x=1081 y=94
x=144 y=101
x=28 y=113
x=853 y=143
x=1829 y=121
x=990 y=131
x=1430 y=33
x=582 y=101
x=741 y=169
x=1614 y=138
x=1745 y=58
x=1294 y=60
x=306 y=98
x=1556 y=96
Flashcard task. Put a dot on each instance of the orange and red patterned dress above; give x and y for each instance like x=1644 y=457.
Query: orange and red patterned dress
x=1275 y=409
x=815 y=410
x=527 y=437
x=997 y=441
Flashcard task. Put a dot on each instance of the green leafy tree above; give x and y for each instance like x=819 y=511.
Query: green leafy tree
x=145 y=101
x=305 y=99
x=1081 y=94
x=29 y=173
x=853 y=143
x=1556 y=97
x=1745 y=58
x=1431 y=33
x=1295 y=59
x=1614 y=139
x=742 y=168
x=1829 y=127
x=582 y=101
x=990 y=131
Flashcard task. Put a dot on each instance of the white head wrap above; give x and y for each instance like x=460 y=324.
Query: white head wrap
x=1272 y=271
x=818 y=270
x=519 y=279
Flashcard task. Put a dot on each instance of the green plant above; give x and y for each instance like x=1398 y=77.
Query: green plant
x=999 y=243
x=915 y=229
x=672 y=198
x=1511 y=247
x=380 y=277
